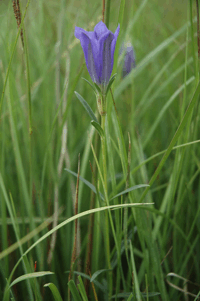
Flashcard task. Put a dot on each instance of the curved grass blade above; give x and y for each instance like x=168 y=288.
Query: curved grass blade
x=129 y=189
x=69 y=220
x=97 y=273
x=54 y=291
x=28 y=276
x=87 y=81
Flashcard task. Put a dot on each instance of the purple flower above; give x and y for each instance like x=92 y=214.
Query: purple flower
x=129 y=59
x=98 y=47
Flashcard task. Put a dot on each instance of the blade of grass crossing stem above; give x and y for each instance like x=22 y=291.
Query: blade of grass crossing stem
x=54 y=291
x=175 y=138
x=135 y=277
x=97 y=273
x=129 y=189
x=87 y=183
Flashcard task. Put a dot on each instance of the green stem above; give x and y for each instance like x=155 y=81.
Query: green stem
x=107 y=241
x=107 y=13
x=103 y=143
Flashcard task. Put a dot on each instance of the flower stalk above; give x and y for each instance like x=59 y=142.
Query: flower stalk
x=99 y=47
x=106 y=227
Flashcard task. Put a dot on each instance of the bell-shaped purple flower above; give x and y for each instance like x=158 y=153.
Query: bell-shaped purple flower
x=98 y=47
x=129 y=59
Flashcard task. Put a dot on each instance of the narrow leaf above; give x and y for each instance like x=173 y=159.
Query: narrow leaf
x=130 y=297
x=28 y=276
x=54 y=291
x=98 y=128
x=97 y=87
x=97 y=273
x=90 y=185
x=87 y=81
x=86 y=106
x=110 y=83
x=130 y=189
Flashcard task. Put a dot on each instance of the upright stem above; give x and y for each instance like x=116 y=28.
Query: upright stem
x=104 y=155
x=107 y=13
x=103 y=143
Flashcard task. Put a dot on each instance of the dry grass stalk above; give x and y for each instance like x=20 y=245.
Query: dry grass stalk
x=17 y=12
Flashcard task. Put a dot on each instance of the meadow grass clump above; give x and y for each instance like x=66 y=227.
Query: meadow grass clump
x=99 y=164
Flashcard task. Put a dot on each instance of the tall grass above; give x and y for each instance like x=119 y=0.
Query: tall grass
x=60 y=237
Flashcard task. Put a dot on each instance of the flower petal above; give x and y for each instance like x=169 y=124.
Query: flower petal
x=89 y=48
x=100 y=29
x=98 y=47
x=106 y=59
x=129 y=59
